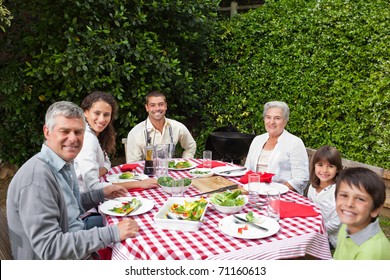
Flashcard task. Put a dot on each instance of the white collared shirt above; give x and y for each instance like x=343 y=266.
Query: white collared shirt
x=136 y=139
x=88 y=162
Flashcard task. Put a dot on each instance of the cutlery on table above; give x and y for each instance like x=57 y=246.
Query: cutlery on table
x=232 y=170
x=231 y=187
x=242 y=220
x=173 y=216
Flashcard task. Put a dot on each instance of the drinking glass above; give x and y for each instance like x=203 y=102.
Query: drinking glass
x=177 y=188
x=273 y=204
x=161 y=159
x=253 y=188
x=207 y=159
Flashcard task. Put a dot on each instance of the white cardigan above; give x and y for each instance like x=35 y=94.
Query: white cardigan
x=288 y=161
x=88 y=162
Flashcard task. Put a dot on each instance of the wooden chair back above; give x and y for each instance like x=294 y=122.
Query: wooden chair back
x=5 y=247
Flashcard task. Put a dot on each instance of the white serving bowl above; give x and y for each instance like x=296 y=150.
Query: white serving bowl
x=168 y=190
x=163 y=222
x=231 y=209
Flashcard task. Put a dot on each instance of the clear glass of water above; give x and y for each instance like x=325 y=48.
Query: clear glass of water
x=253 y=188
x=207 y=159
x=161 y=159
x=273 y=204
x=178 y=188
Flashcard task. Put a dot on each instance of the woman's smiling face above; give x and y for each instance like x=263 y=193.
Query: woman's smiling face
x=99 y=115
x=274 y=121
x=354 y=207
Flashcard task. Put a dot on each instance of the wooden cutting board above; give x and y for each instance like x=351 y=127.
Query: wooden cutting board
x=213 y=183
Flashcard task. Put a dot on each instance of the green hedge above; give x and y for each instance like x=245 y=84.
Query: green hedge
x=63 y=50
x=329 y=60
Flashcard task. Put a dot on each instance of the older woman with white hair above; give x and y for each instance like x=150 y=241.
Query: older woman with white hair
x=278 y=151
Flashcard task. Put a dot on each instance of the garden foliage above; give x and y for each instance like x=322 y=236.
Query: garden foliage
x=63 y=50
x=329 y=60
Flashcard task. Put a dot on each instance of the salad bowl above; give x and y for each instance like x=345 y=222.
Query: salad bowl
x=229 y=202
x=165 y=182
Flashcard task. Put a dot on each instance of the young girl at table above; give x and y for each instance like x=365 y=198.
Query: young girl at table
x=324 y=166
x=92 y=162
x=360 y=195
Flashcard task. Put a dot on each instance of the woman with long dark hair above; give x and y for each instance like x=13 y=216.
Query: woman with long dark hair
x=100 y=109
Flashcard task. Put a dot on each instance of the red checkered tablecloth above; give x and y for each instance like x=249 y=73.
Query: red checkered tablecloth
x=296 y=237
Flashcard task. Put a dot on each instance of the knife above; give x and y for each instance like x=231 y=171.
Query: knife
x=250 y=223
x=219 y=190
x=232 y=170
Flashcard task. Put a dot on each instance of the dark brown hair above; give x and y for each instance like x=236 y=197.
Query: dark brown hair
x=325 y=153
x=364 y=179
x=154 y=93
x=107 y=136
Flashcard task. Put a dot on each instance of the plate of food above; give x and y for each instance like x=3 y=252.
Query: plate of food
x=181 y=213
x=232 y=226
x=230 y=171
x=127 y=176
x=263 y=188
x=180 y=164
x=201 y=172
x=126 y=206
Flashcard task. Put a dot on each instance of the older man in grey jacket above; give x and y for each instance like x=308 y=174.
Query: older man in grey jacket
x=43 y=201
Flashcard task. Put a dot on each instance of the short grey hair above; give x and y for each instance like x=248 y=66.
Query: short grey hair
x=278 y=104
x=63 y=108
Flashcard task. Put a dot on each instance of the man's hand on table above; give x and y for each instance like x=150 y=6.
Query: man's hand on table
x=143 y=184
x=114 y=191
x=127 y=228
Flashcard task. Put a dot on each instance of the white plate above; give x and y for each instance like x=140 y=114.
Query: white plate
x=200 y=175
x=228 y=226
x=263 y=189
x=218 y=170
x=146 y=206
x=193 y=164
x=114 y=178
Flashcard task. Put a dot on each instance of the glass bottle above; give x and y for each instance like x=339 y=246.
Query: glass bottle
x=149 y=162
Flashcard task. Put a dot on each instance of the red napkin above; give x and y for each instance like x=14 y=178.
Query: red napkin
x=128 y=167
x=214 y=163
x=105 y=253
x=293 y=209
x=264 y=177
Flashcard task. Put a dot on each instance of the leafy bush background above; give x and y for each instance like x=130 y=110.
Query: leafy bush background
x=63 y=50
x=329 y=60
